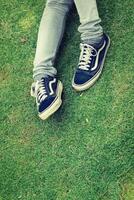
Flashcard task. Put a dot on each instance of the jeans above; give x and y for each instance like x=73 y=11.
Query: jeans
x=52 y=28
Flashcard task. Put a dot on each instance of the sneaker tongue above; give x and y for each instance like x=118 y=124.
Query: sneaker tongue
x=96 y=45
x=46 y=79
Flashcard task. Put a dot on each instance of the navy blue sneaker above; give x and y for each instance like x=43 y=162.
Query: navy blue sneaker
x=48 y=93
x=90 y=65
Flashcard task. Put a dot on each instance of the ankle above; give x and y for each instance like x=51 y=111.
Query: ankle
x=94 y=41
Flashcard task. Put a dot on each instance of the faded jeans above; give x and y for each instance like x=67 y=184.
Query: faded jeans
x=52 y=28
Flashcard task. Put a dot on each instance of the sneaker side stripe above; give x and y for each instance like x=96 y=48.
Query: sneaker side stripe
x=50 y=86
x=97 y=58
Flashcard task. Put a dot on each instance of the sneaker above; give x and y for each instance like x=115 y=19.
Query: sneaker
x=48 y=93
x=90 y=65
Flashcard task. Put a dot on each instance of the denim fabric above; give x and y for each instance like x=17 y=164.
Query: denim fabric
x=51 y=30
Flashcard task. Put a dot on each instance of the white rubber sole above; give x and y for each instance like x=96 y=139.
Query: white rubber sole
x=91 y=82
x=55 y=105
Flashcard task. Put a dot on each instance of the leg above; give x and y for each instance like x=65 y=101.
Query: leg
x=94 y=46
x=90 y=28
x=49 y=37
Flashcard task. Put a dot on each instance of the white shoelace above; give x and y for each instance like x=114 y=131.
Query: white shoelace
x=86 y=56
x=40 y=91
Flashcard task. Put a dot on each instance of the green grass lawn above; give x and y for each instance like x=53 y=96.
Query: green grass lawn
x=84 y=151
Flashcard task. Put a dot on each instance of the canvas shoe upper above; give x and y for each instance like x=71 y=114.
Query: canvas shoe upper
x=90 y=64
x=47 y=92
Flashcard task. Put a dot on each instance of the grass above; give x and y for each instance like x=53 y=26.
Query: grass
x=84 y=151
